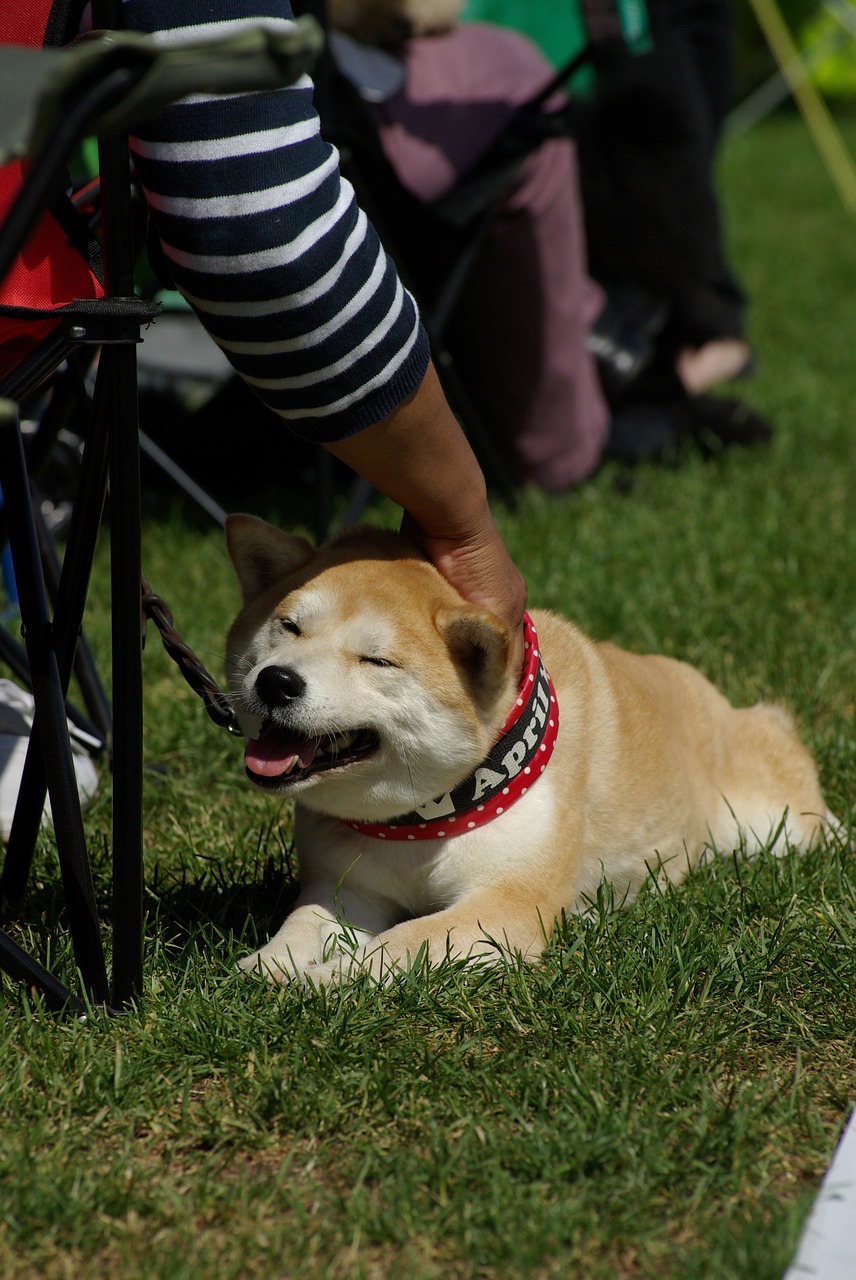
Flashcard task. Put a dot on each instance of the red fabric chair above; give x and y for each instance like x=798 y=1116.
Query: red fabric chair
x=51 y=271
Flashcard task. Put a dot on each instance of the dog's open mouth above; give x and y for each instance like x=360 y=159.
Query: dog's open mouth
x=279 y=758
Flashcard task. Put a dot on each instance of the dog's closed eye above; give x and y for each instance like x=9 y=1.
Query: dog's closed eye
x=378 y=662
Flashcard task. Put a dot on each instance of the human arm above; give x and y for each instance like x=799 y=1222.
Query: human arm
x=265 y=240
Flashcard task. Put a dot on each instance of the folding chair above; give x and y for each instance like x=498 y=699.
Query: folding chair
x=49 y=99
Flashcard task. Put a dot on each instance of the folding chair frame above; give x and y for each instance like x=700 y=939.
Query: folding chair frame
x=111 y=454
x=111 y=460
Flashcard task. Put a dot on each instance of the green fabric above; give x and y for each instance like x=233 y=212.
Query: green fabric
x=558 y=27
x=555 y=25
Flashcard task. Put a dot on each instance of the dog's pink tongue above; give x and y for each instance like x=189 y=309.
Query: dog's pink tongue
x=276 y=754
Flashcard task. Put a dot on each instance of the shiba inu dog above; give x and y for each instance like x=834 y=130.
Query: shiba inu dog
x=448 y=804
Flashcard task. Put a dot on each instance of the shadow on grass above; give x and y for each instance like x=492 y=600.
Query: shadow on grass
x=184 y=908
x=245 y=902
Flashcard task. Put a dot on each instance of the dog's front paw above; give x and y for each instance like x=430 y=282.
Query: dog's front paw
x=270 y=965
x=282 y=970
x=336 y=965
x=373 y=963
x=331 y=973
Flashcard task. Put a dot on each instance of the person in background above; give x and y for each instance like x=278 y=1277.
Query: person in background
x=648 y=140
x=442 y=93
x=649 y=118
x=555 y=364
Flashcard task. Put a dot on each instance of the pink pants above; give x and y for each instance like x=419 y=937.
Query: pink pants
x=521 y=326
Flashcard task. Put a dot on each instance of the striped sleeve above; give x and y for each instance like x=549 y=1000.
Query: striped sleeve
x=265 y=240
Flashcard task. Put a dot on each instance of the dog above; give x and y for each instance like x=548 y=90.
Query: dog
x=447 y=807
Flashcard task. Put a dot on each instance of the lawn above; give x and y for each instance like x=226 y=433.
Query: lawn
x=662 y=1095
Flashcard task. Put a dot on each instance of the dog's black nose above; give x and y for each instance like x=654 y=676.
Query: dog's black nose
x=278 y=685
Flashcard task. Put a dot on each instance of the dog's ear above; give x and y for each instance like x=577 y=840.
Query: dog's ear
x=262 y=554
x=479 y=645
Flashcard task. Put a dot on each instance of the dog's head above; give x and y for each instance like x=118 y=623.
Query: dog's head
x=362 y=681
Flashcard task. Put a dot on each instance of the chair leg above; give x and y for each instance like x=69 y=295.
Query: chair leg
x=69 y=600
x=92 y=691
x=125 y=516
x=50 y=728
x=23 y=968
x=112 y=444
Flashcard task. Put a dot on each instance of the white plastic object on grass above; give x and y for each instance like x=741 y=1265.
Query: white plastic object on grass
x=16 y=718
x=827 y=1248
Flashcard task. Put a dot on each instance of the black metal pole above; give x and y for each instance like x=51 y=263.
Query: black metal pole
x=127 y=684
x=23 y=968
x=125 y=557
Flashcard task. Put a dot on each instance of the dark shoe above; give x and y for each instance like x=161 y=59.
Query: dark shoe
x=720 y=422
x=643 y=433
x=651 y=432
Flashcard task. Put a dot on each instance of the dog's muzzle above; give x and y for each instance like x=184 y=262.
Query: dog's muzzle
x=283 y=755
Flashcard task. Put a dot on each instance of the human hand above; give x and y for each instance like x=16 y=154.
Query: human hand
x=420 y=458
x=478 y=565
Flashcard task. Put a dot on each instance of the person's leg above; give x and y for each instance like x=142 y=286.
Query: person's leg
x=646 y=155
x=707 y=29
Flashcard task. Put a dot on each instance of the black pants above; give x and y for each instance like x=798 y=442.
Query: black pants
x=647 y=145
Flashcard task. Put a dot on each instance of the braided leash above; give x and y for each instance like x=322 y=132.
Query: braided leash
x=217 y=704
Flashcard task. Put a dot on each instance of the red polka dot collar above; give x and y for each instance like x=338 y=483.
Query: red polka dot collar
x=514 y=764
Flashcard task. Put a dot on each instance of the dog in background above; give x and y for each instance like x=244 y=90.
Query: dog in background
x=447 y=806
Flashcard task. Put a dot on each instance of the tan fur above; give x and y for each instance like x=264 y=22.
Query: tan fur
x=653 y=768
x=387 y=21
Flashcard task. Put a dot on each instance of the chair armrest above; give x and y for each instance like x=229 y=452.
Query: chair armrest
x=40 y=87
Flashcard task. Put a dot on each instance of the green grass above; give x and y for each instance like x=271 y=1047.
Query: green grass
x=662 y=1095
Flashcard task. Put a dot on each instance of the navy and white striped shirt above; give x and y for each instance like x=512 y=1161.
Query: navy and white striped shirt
x=266 y=241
